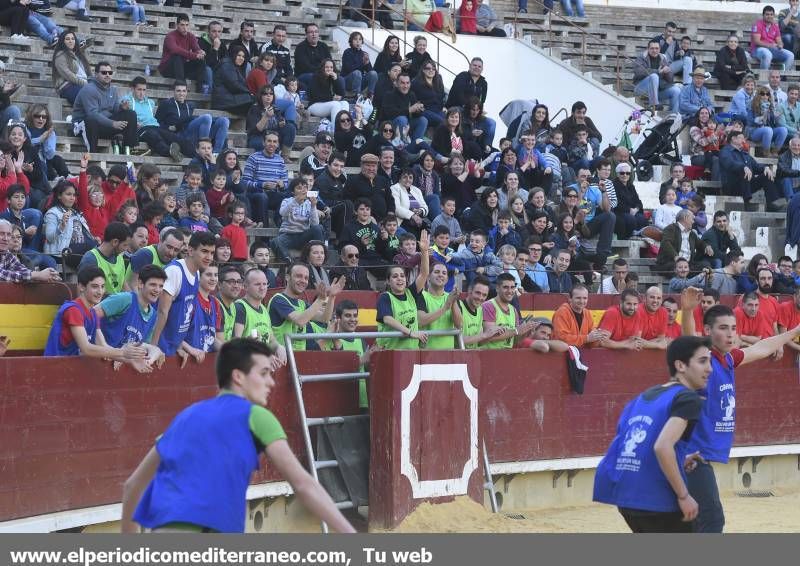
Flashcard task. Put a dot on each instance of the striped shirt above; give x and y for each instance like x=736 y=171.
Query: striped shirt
x=260 y=168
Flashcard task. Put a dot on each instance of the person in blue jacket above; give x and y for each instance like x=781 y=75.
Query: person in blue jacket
x=713 y=436
x=195 y=478
x=130 y=316
x=643 y=470
x=76 y=328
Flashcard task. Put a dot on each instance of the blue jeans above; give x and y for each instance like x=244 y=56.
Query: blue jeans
x=206 y=126
x=358 y=81
x=286 y=135
x=70 y=93
x=567 y=7
x=650 y=86
x=39 y=260
x=435 y=117
x=788 y=41
x=434 y=205
x=766 y=136
x=285 y=242
x=418 y=125
x=10 y=113
x=288 y=108
x=32 y=217
x=702 y=486
x=766 y=55
x=683 y=67
x=136 y=13
x=787 y=185
x=44 y=27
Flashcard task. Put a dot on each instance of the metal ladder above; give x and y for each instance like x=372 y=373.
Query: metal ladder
x=299 y=380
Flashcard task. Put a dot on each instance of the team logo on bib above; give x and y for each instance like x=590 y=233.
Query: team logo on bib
x=633 y=438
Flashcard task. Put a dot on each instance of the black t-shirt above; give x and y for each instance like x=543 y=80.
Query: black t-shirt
x=686 y=405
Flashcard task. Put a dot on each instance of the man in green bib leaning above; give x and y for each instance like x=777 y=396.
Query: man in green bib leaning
x=251 y=317
x=159 y=255
x=290 y=314
x=435 y=307
x=502 y=318
x=108 y=256
x=468 y=314
x=230 y=287
x=178 y=485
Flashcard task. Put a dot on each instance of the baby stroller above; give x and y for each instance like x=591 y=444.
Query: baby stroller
x=659 y=146
x=517 y=116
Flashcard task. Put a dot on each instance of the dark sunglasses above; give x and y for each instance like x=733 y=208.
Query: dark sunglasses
x=351 y=256
x=42 y=116
x=626 y=173
x=388 y=131
x=571 y=195
x=109 y=73
x=114 y=182
x=345 y=120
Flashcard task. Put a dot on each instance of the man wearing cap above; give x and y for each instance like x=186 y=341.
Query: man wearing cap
x=367 y=184
x=541 y=338
x=317 y=161
x=695 y=96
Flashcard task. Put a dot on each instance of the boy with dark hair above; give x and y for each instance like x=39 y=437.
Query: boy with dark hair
x=177 y=485
x=643 y=471
x=477 y=259
x=194 y=220
x=108 y=256
x=260 y=255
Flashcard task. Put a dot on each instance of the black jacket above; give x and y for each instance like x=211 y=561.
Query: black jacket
x=358 y=186
x=230 y=89
x=283 y=59
x=355 y=277
x=397 y=104
x=308 y=59
x=464 y=88
x=323 y=89
x=627 y=197
x=330 y=188
x=213 y=58
x=432 y=99
x=172 y=113
x=251 y=47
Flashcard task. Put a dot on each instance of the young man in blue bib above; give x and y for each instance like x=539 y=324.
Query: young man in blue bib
x=713 y=437
x=195 y=478
x=642 y=473
x=129 y=317
x=76 y=328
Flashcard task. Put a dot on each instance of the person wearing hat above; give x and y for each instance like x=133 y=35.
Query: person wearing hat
x=629 y=210
x=317 y=161
x=695 y=96
x=367 y=184
x=541 y=337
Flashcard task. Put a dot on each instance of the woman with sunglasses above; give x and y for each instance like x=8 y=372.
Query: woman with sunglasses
x=71 y=67
x=746 y=106
x=629 y=210
x=43 y=140
x=265 y=115
x=429 y=88
x=349 y=137
x=383 y=137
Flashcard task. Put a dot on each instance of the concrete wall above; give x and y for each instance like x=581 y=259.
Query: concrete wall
x=515 y=70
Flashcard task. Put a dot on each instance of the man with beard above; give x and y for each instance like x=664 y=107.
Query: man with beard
x=751 y=324
x=624 y=326
x=789 y=317
x=502 y=318
x=470 y=315
x=768 y=304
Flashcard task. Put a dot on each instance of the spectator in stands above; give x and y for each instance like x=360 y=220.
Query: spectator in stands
x=778 y=95
x=784 y=277
x=309 y=55
x=367 y=184
x=578 y=118
x=537 y=126
x=752 y=325
x=597 y=217
x=629 y=211
x=265 y=174
x=482 y=127
x=695 y=96
x=721 y=239
x=615 y=283
x=482 y=215
x=403 y=109
x=246 y=40
x=15 y=14
x=28 y=220
x=389 y=55
x=65 y=228
x=653 y=319
x=415 y=59
x=19 y=146
x=789 y=112
x=300 y=221
x=664 y=214
x=108 y=256
x=331 y=185
x=135 y=10
x=214 y=47
x=789 y=168
x=349 y=270
x=386 y=82
x=766 y=44
x=573 y=323
x=466 y=17
x=277 y=48
x=673 y=328
x=731 y=65
x=316 y=162
x=623 y=324
x=742 y=175
x=478 y=259
x=357 y=69
x=160 y=254
x=178 y=115
x=677 y=174
x=680 y=63
x=160 y=140
x=789 y=317
x=71 y=68
x=76 y=328
x=177 y=301
x=11 y=270
x=511 y=189
x=263 y=73
x=267 y=114
x=362 y=232
x=487 y=21
x=769 y=304
x=501 y=319
x=725 y=279
x=315 y=255
x=680 y=242
x=230 y=90
x=43 y=140
x=326 y=93
x=653 y=77
x=559 y=280
x=469 y=84
x=471 y=311
x=409 y=203
x=790 y=25
x=102 y=110
x=429 y=90
x=350 y=136
x=182 y=58
x=707 y=138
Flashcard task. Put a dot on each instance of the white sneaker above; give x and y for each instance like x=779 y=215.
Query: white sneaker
x=20 y=39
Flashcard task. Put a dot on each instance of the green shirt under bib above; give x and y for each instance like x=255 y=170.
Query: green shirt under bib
x=444 y=322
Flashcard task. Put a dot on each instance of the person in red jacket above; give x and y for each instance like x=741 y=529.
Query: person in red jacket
x=11 y=174
x=182 y=58
x=235 y=232
x=91 y=201
x=673 y=326
x=116 y=190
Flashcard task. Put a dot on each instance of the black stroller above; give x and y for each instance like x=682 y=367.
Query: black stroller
x=659 y=147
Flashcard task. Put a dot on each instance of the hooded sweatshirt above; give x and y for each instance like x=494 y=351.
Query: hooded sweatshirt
x=97 y=100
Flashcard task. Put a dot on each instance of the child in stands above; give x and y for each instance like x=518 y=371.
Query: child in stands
x=235 y=232
x=194 y=221
x=218 y=197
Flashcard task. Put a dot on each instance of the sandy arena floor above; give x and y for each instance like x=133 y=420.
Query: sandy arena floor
x=777 y=514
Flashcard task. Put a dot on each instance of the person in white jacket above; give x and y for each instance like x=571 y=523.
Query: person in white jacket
x=409 y=203
x=665 y=214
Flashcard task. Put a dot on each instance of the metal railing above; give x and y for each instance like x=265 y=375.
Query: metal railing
x=387 y=8
x=586 y=37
